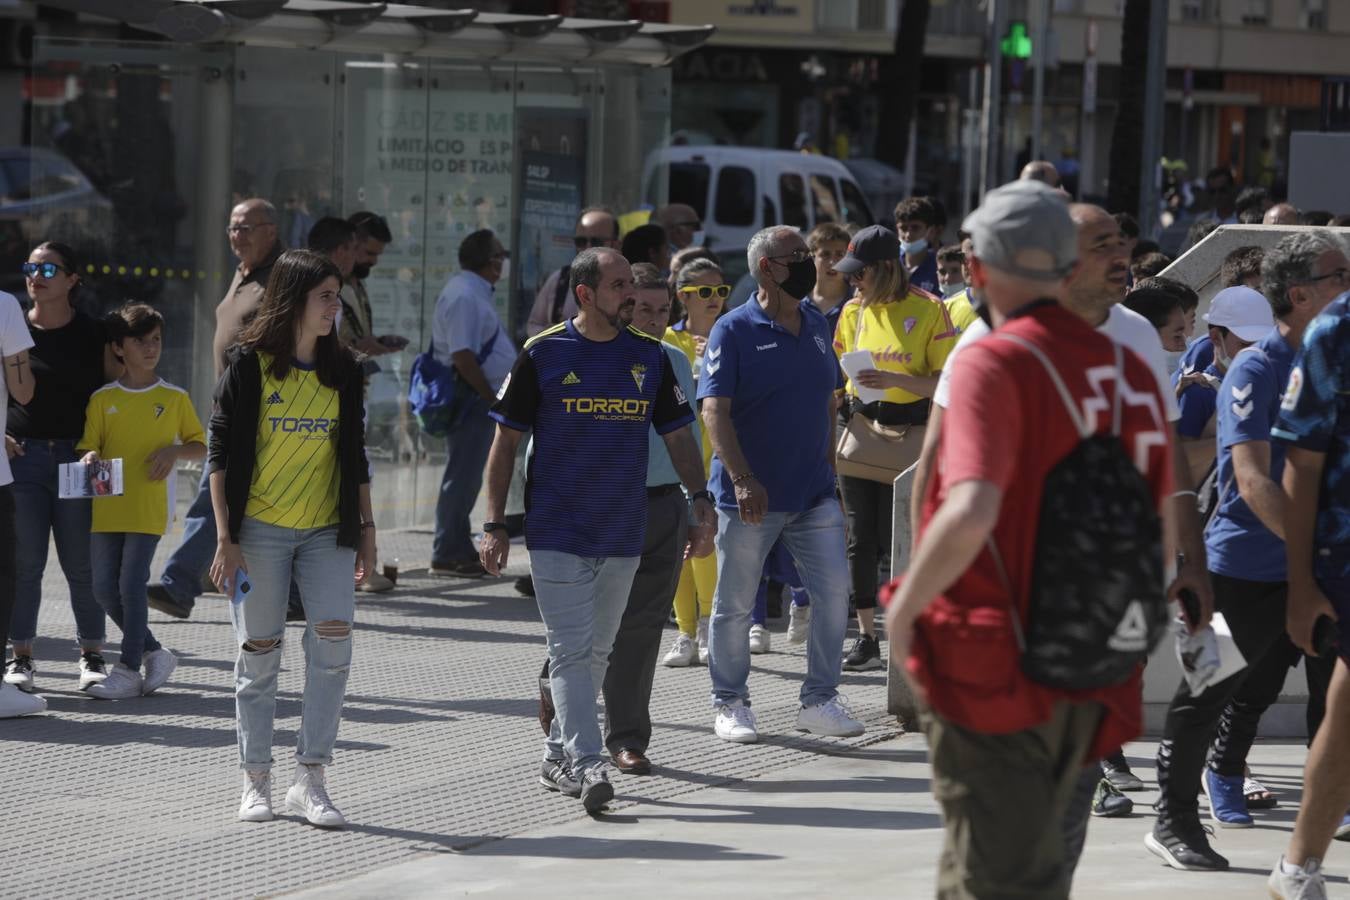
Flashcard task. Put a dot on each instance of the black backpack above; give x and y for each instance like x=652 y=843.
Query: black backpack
x=1098 y=604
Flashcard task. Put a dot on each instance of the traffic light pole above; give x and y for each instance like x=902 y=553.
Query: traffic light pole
x=1040 y=45
x=991 y=134
x=1155 y=84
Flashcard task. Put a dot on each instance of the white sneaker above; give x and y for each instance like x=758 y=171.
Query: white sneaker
x=759 y=639
x=682 y=653
x=159 y=665
x=256 y=805
x=799 y=623
x=832 y=718
x=93 y=669
x=703 y=641
x=120 y=684
x=1304 y=883
x=375 y=583
x=308 y=797
x=15 y=703
x=736 y=724
x=19 y=672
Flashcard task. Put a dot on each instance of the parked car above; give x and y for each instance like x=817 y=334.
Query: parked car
x=44 y=197
x=737 y=191
x=883 y=185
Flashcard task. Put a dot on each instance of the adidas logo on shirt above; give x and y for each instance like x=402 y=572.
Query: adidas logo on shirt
x=275 y=398
x=110 y=410
x=571 y=378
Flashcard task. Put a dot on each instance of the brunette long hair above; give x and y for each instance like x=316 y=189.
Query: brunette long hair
x=272 y=331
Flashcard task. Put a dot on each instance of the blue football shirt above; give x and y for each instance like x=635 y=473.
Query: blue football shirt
x=1198 y=357
x=1248 y=403
x=1196 y=404
x=590 y=405
x=1315 y=415
x=780 y=386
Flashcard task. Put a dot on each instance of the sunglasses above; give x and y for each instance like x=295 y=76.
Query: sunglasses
x=46 y=269
x=584 y=242
x=707 y=292
x=1342 y=277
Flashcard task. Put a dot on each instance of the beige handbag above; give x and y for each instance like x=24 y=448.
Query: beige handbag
x=873 y=451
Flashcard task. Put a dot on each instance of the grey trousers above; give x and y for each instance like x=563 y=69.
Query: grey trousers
x=632 y=664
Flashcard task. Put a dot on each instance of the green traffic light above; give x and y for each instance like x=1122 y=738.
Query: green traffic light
x=1017 y=45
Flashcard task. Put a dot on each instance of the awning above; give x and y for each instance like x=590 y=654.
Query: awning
x=363 y=27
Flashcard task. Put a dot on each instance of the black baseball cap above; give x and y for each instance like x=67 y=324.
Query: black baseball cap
x=872 y=244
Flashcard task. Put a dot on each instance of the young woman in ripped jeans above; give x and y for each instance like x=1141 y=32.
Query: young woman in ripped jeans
x=290 y=487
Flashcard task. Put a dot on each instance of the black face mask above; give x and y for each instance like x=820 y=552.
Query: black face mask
x=801 y=279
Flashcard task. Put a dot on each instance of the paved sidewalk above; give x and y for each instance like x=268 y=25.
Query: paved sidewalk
x=856 y=822
x=438 y=751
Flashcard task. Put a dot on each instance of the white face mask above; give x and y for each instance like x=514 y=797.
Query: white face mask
x=699 y=238
x=1221 y=356
x=506 y=271
x=951 y=289
x=1174 y=359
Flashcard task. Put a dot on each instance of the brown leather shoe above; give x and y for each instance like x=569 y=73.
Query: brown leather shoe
x=631 y=762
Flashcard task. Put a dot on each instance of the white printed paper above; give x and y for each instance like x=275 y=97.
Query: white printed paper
x=860 y=361
x=101 y=478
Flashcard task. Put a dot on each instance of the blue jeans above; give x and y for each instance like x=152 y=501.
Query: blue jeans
x=121 y=569
x=581 y=600
x=325 y=574
x=182 y=576
x=815 y=538
x=467 y=452
x=778 y=567
x=38 y=516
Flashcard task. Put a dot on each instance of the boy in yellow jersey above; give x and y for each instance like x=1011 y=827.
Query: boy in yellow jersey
x=150 y=425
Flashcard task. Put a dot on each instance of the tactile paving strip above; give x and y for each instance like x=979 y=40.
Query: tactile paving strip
x=438 y=751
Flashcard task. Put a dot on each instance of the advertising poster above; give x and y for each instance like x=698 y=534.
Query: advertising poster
x=550 y=185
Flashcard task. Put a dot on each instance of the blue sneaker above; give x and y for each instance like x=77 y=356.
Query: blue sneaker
x=1343 y=829
x=1227 y=803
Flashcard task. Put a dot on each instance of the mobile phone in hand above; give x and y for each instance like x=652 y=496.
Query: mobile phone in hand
x=1190 y=605
x=241 y=586
x=1325 y=636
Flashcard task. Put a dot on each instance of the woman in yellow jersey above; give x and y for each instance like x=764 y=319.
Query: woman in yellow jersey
x=290 y=487
x=703 y=291
x=909 y=335
x=149 y=425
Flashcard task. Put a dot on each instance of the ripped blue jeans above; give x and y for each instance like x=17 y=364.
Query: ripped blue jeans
x=324 y=573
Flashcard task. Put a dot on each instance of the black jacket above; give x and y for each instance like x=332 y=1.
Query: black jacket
x=234 y=442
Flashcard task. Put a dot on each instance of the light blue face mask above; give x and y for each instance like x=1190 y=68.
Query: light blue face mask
x=953 y=288
x=911 y=248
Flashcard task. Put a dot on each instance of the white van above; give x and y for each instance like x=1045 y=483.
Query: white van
x=736 y=191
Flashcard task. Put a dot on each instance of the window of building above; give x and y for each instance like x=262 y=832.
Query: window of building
x=735 y=203
x=1255 y=12
x=1197 y=10
x=1313 y=15
x=792 y=192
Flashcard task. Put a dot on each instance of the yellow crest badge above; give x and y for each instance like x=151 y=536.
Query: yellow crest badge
x=639 y=374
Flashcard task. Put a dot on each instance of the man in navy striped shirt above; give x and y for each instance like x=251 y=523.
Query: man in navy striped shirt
x=589 y=389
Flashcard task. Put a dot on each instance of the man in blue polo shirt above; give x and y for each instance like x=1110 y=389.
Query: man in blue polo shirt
x=589 y=389
x=767 y=388
x=1314 y=426
x=1245 y=550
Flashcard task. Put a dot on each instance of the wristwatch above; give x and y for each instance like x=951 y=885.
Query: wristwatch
x=702 y=495
x=494 y=526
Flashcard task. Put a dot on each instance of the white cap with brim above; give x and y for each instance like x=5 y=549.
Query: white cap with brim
x=1024 y=228
x=1243 y=311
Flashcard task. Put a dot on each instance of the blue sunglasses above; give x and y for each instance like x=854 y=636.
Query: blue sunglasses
x=46 y=269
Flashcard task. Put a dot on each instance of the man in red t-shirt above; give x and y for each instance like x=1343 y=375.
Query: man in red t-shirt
x=1006 y=751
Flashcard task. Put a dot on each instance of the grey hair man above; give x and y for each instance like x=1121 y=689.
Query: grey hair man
x=1041 y=170
x=768 y=382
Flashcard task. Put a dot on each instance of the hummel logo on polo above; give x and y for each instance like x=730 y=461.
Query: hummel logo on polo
x=571 y=378
x=275 y=398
